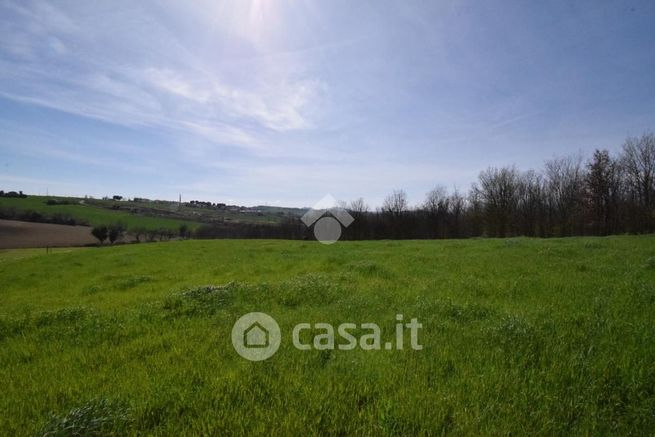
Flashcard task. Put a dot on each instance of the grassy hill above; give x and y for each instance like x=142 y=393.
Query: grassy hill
x=148 y=214
x=90 y=214
x=520 y=337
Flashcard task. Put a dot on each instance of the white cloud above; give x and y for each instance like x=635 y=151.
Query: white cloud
x=176 y=91
x=279 y=108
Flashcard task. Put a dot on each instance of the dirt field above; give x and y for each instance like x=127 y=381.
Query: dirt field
x=15 y=234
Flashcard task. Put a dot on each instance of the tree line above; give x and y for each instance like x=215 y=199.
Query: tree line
x=601 y=195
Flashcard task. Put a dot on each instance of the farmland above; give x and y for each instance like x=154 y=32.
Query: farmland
x=16 y=234
x=519 y=336
x=146 y=214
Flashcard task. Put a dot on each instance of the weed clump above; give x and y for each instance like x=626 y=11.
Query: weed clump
x=519 y=341
x=467 y=312
x=368 y=268
x=11 y=326
x=205 y=300
x=67 y=316
x=310 y=289
x=97 y=417
x=513 y=330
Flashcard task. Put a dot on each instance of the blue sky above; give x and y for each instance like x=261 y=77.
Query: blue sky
x=280 y=102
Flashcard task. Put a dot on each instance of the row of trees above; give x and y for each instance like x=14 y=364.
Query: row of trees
x=114 y=232
x=602 y=195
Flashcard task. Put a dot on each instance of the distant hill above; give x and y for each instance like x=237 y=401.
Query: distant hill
x=137 y=213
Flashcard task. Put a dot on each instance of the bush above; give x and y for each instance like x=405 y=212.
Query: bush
x=116 y=231
x=151 y=235
x=100 y=232
x=138 y=232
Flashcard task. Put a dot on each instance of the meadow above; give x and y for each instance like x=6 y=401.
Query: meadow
x=519 y=336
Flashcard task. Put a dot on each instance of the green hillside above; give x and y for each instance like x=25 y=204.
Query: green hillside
x=93 y=212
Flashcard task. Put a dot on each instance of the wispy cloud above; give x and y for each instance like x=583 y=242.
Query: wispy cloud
x=279 y=108
x=156 y=93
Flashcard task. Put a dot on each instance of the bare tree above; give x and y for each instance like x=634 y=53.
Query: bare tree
x=531 y=204
x=358 y=206
x=436 y=199
x=457 y=208
x=436 y=206
x=638 y=164
x=396 y=203
x=498 y=191
x=564 y=185
x=603 y=189
x=358 y=209
x=394 y=211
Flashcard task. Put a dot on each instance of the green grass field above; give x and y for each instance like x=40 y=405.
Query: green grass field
x=520 y=337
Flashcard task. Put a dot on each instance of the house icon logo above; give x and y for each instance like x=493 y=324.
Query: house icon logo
x=256 y=336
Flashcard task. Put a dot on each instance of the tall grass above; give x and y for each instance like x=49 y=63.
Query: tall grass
x=535 y=336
